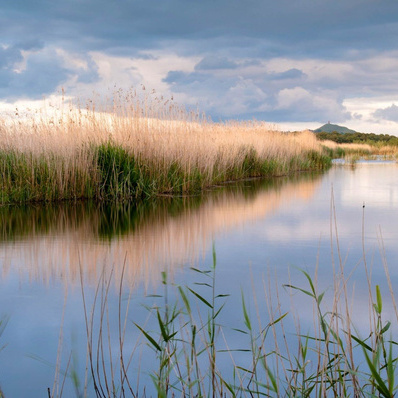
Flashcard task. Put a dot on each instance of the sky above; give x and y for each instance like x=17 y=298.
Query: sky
x=294 y=63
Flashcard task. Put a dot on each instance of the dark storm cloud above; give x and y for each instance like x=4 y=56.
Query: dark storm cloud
x=231 y=41
x=389 y=113
x=303 y=26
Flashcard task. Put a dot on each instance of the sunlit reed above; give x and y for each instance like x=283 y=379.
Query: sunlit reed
x=136 y=146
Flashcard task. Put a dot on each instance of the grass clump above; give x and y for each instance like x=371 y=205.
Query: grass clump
x=185 y=337
x=118 y=173
x=140 y=146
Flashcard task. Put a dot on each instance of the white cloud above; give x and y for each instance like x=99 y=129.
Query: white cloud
x=301 y=101
x=369 y=120
x=388 y=113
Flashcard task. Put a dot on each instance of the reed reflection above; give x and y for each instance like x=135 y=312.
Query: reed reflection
x=55 y=242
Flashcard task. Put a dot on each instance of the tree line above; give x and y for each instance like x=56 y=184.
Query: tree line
x=362 y=138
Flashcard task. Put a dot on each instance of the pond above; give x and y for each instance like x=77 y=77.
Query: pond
x=56 y=261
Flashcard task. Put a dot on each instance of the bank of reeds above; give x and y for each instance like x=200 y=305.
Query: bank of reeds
x=136 y=148
x=365 y=151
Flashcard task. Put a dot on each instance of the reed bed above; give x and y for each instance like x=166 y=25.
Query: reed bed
x=366 y=151
x=138 y=146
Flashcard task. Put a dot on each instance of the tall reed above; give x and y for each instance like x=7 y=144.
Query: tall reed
x=366 y=151
x=138 y=146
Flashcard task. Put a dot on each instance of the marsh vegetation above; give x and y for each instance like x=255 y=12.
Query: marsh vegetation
x=138 y=146
x=355 y=151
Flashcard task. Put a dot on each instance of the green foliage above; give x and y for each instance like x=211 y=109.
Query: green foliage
x=118 y=173
x=358 y=138
x=178 y=348
x=25 y=177
x=184 y=333
x=318 y=160
x=114 y=174
x=329 y=128
x=335 y=153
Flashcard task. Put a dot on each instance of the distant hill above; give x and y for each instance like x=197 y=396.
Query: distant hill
x=330 y=128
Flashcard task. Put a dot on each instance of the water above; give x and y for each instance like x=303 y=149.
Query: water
x=52 y=256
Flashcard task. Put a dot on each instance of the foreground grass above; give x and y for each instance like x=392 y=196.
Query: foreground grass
x=139 y=148
x=191 y=357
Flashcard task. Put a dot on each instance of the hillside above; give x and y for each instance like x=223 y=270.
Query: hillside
x=330 y=128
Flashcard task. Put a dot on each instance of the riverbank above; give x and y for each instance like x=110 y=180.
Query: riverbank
x=352 y=152
x=140 y=148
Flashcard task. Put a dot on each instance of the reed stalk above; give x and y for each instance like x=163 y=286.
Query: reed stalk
x=139 y=146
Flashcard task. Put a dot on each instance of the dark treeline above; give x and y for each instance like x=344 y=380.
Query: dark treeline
x=363 y=138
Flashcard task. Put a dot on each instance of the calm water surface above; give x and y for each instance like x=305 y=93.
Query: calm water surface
x=262 y=231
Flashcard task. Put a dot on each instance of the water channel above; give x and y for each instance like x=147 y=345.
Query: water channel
x=262 y=231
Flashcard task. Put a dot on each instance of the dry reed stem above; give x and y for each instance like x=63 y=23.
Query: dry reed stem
x=157 y=138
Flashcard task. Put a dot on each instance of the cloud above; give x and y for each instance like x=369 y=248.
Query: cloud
x=389 y=113
x=30 y=72
x=220 y=96
x=293 y=73
x=260 y=52
x=215 y=62
x=302 y=105
x=328 y=27
x=9 y=56
x=258 y=90
x=41 y=75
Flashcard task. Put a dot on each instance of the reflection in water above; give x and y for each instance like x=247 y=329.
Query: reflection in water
x=45 y=243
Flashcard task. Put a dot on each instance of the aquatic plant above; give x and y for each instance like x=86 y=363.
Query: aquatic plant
x=360 y=150
x=191 y=356
x=139 y=146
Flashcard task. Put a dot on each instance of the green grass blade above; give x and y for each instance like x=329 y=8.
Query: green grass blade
x=214 y=256
x=162 y=327
x=360 y=342
x=299 y=289
x=386 y=327
x=200 y=297
x=320 y=297
x=245 y=314
x=150 y=339
x=278 y=320
x=379 y=300
x=229 y=387
x=379 y=383
x=185 y=299
x=390 y=371
x=310 y=282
